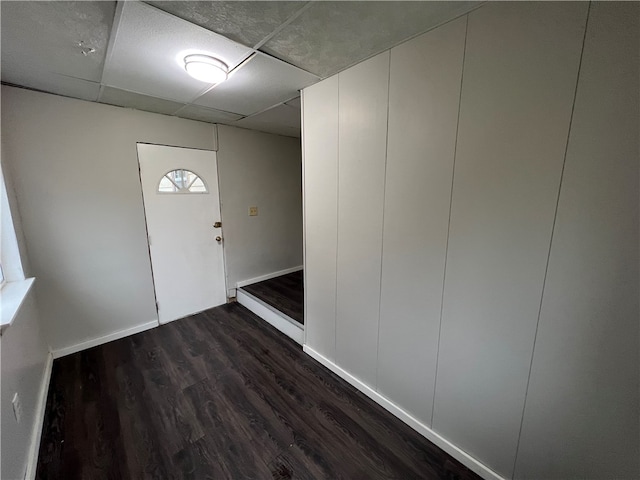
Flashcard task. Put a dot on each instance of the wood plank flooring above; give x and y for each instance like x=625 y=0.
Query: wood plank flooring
x=285 y=293
x=221 y=395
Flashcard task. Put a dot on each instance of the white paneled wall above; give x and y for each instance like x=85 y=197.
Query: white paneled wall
x=320 y=151
x=422 y=140
x=583 y=393
x=514 y=121
x=362 y=145
x=487 y=289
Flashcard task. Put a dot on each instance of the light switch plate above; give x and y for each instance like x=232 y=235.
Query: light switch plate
x=253 y=211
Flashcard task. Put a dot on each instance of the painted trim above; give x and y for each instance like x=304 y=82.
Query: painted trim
x=244 y=283
x=12 y=296
x=38 y=423
x=305 y=303
x=94 y=342
x=276 y=319
x=435 y=438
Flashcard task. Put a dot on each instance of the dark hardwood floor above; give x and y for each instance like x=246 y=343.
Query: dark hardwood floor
x=285 y=293
x=221 y=395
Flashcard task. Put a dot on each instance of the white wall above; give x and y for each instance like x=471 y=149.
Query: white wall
x=320 y=141
x=24 y=356
x=75 y=170
x=262 y=170
x=584 y=379
x=420 y=154
x=465 y=245
x=362 y=141
x=512 y=131
x=24 y=369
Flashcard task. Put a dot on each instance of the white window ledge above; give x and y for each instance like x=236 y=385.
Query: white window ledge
x=12 y=296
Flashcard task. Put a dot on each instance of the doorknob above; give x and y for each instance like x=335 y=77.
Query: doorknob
x=218 y=238
x=217 y=225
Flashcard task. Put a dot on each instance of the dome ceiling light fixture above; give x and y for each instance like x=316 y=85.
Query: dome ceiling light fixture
x=206 y=68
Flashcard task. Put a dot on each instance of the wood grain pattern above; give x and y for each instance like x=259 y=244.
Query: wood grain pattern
x=221 y=395
x=285 y=293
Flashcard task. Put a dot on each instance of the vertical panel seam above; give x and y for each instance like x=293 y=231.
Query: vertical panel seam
x=282 y=26
x=384 y=199
x=553 y=228
x=446 y=252
x=335 y=314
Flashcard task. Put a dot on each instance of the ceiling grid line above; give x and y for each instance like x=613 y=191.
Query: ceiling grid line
x=131 y=53
x=281 y=27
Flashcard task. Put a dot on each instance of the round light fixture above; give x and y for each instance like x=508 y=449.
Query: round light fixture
x=205 y=68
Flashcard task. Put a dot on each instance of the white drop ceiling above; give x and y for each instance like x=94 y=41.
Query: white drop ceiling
x=130 y=53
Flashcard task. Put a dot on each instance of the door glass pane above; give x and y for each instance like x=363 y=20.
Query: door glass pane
x=197 y=186
x=181 y=181
x=166 y=186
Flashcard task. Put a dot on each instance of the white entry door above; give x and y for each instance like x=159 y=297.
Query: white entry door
x=181 y=201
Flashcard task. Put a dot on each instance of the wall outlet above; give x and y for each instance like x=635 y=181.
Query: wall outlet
x=253 y=211
x=17 y=407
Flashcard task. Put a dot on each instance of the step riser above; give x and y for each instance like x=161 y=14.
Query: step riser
x=272 y=316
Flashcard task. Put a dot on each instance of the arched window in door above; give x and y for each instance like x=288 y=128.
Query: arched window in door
x=182 y=181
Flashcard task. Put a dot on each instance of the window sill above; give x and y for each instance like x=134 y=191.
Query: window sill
x=12 y=297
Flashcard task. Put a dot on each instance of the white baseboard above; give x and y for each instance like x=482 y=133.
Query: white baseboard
x=279 y=320
x=38 y=422
x=463 y=457
x=104 y=339
x=268 y=276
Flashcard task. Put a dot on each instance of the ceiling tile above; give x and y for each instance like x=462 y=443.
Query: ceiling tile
x=259 y=84
x=330 y=36
x=40 y=38
x=203 y=114
x=282 y=120
x=244 y=22
x=122 y=98
x=146 y=55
